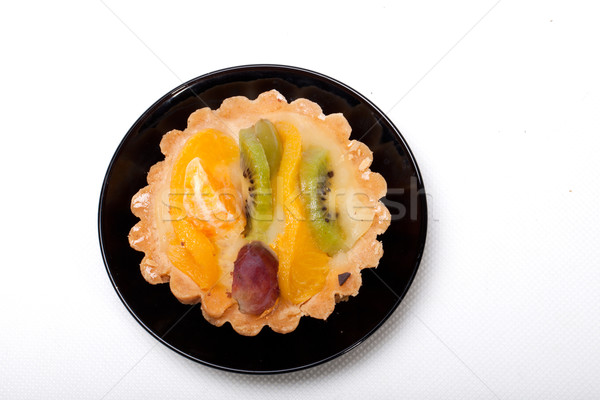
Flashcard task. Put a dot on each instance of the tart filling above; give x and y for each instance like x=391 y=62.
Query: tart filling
x=264 y=211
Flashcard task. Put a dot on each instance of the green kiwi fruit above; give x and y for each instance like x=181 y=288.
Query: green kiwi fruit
x=269 y=139
x=261 y=150
x=315 y=175
x=256 y=171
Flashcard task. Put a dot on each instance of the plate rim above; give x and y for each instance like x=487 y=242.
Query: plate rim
x=267 y=68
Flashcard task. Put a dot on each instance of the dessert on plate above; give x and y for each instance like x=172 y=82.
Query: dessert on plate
x=263 y=211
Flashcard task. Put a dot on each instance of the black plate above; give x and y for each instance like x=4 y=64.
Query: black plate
x=314 y=341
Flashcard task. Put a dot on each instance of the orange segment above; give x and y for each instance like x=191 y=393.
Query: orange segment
x=288 y=184
x=193 y=254
x=201 y=185
x=214 y=148
x=214 y=212
x=302 y=266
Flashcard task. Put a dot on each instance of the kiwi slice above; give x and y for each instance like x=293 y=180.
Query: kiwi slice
x=315 y=175
x=257 y=174
x=269 y=139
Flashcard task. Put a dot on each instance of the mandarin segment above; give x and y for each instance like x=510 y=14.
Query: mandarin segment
x=309 y=266
x=213 y=147
x=201 y=185
x=214 y=212
x=288 y=183
x=193 y=254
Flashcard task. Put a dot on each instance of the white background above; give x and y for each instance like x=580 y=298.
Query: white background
x=499 y=101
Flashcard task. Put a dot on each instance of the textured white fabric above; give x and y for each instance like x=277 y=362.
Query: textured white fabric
x=499 y=102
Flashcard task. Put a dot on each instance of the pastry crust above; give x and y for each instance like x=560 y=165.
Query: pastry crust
x=217 y=305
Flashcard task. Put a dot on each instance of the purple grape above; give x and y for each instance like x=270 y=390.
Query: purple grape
x=255 y=285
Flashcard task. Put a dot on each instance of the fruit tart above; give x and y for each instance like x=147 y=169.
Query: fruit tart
x=263 y=211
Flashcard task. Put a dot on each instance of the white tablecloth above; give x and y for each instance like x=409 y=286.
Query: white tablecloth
x=499 y=101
